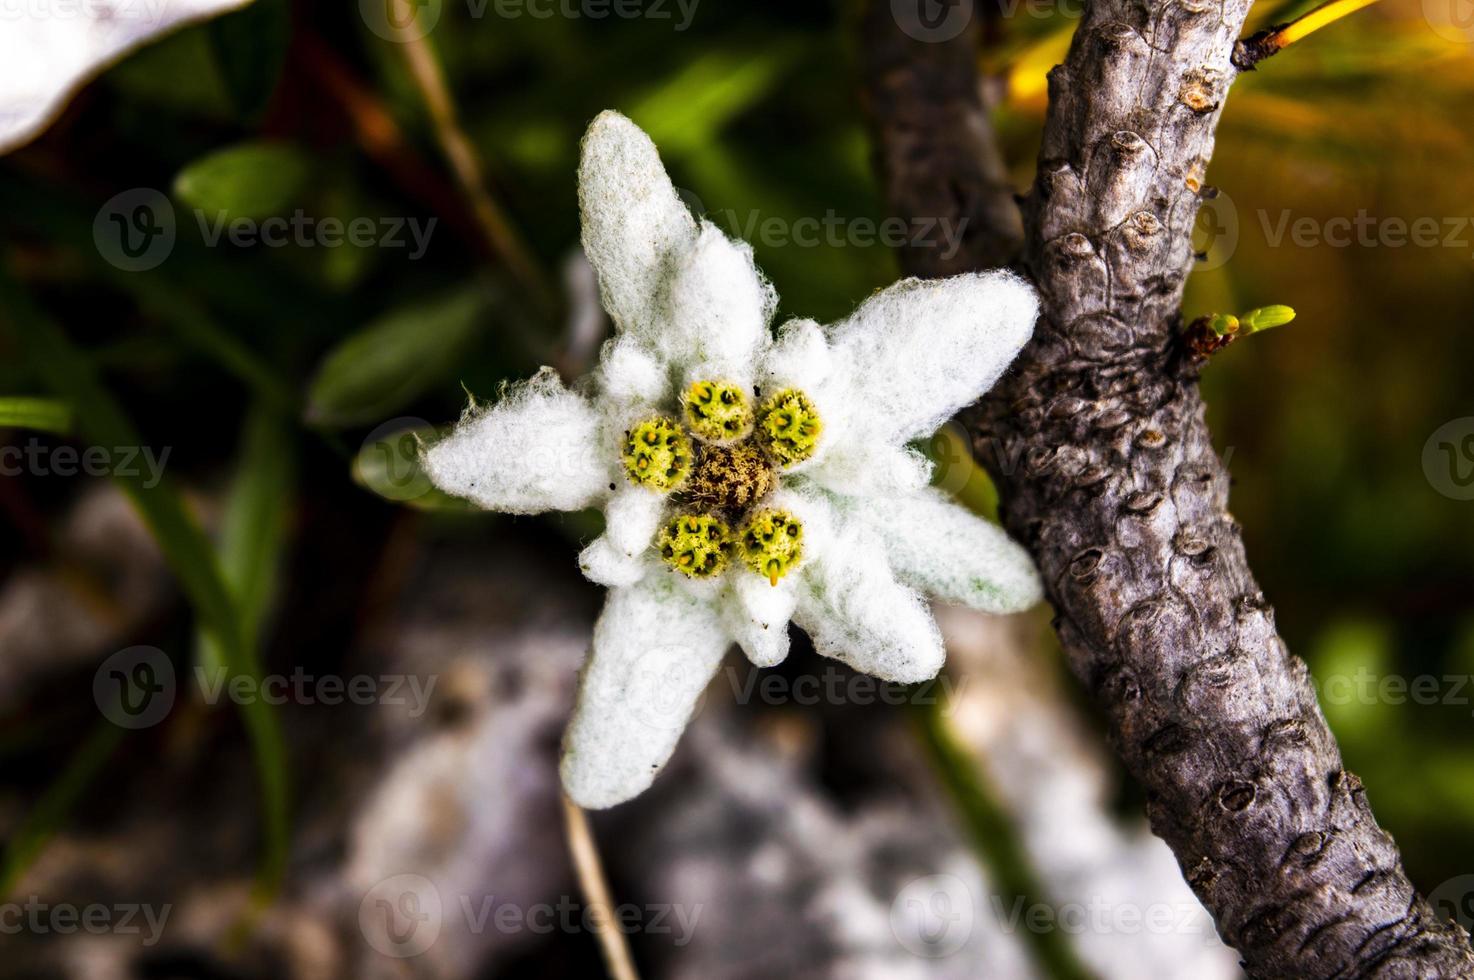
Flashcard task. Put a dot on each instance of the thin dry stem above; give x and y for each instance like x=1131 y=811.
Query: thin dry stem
x=501 y=237
x=596 y=892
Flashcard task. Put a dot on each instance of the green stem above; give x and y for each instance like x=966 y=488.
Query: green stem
x=41 y=823
x=994 y=838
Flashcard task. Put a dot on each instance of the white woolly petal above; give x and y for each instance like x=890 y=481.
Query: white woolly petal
x=655 y=649
x=719 y=310
x=634 y=224
x=604 y=564
x=631 y=518
x=942 y=548
x=855 y=611
x=48 y=51
x=869 y=469
x=757 y=614
x=916 y=352
x=629 y=374
x=539 y=448
x=621 y=555
x=798 y=358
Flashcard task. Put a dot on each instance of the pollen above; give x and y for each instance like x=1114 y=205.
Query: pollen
x=696 y=545
x=772 y=543
x=717 y=412
x=657 y=454
x=789 y=427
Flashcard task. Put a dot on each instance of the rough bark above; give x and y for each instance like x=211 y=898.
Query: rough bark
x=1108 y=474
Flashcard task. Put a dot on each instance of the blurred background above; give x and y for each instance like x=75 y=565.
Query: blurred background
x=209 y=472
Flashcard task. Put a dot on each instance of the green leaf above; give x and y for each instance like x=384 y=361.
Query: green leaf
x=41 y=414
x=254 y=530
x=389 y=466
x=1224 y=324
x=248 y=180
x=394 y=359
x=250 y=48
x=1267 y=318
x=27 y=840
x=69 y=372
x=688 y=110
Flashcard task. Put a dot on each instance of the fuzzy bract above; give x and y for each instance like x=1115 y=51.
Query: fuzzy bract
x=748 y=478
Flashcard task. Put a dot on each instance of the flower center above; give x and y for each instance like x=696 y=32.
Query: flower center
x=729 y=478
x=717 y=412
x=717 y=469
x=697 y=545
x=772 y=543
x=789 y=427
x=657 y=454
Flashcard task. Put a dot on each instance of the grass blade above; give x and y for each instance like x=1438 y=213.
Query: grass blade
x=41 y=414
x=254 y=530
x=69 y=372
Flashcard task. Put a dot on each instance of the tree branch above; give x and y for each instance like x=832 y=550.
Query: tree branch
x=938 y=155
x=1098 y=443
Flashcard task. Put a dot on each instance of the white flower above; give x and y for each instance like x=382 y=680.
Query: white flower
x=746 y=481
x=48 y=50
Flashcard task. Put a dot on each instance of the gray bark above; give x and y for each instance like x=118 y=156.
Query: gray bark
x=1097 y=441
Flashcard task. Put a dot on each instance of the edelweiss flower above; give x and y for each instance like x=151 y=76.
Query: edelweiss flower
x=745 y=480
